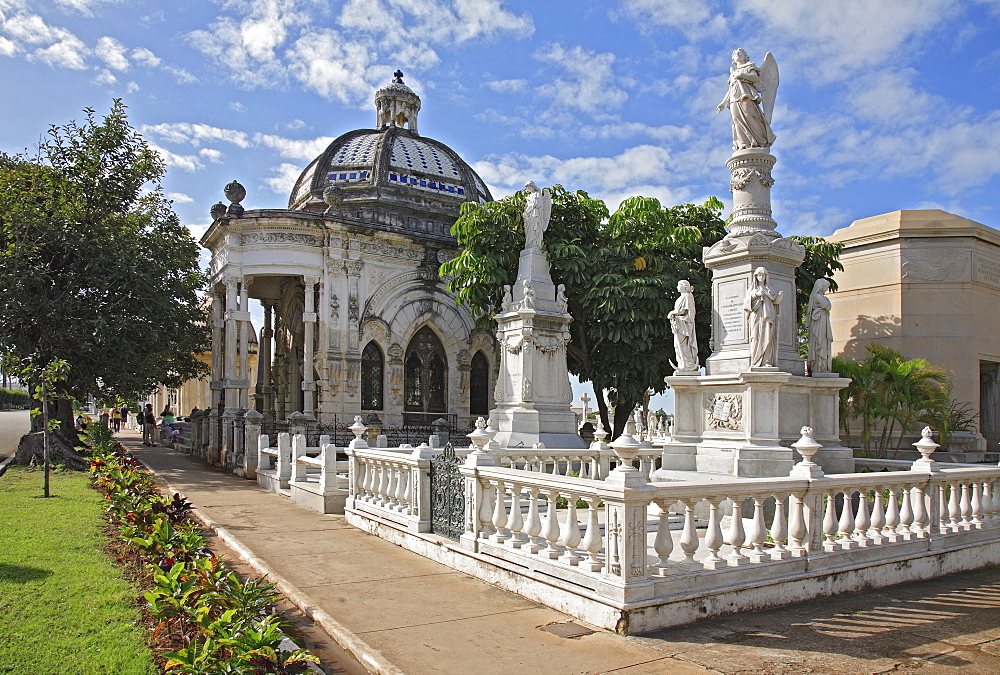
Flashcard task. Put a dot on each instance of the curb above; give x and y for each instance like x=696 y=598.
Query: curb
x=5 y=463
x=368 y=656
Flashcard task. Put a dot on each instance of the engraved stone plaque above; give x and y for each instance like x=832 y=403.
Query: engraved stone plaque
x=733 y=321
x=986 y=270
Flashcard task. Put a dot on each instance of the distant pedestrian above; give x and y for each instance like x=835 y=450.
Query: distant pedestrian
x=125 y=416
x=148 y=425
x=116 y=419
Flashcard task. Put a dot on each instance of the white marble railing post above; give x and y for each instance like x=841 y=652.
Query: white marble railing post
x=298 y=451
x=263 y=459
x=420 y=487
x=251 y=430
x=328 y=470
x=284 y=467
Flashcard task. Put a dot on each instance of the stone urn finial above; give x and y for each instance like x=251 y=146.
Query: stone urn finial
x=807 y=447
x=926 y=446
x=218 y=210
x=358 y=429
x=235 y=193
x=626 y=447
x=480 y=437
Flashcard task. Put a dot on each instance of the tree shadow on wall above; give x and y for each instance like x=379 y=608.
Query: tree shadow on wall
x=869 y=329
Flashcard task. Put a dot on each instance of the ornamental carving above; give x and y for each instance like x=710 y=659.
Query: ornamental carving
x=725 y=411
x=352 y=308
x=742 y=177
x=390 y=251
x=512 y=345
x=353 y=268
x=933 y=266
x=282 y=238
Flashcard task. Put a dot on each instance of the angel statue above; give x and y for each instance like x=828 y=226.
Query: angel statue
x=537 y=209
x=750 y=99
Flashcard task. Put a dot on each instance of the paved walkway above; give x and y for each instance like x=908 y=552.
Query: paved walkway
x=416 y=616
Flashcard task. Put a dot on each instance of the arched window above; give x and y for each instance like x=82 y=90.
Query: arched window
x=479 y=386
x=372 y=368
x=426 y=374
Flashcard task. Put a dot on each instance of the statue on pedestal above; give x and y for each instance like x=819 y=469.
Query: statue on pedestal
x=750 y=100
x=761 y=306
x=537 y=209
x=682 y=325
x=820 y=332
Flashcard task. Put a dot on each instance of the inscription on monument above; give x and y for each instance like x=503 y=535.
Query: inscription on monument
x=987 y=270
x=732 y=317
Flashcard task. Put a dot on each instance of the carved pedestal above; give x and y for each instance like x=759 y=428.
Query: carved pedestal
x=744 y=424
x=533 y=393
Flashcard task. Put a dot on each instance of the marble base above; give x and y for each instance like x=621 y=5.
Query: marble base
x=744 y=424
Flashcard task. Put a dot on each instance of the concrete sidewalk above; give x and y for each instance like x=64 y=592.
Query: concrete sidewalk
x=398 y=611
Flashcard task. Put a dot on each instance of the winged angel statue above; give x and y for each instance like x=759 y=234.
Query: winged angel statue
x=750 y=99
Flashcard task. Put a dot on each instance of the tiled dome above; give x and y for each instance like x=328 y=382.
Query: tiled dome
x=392 y=164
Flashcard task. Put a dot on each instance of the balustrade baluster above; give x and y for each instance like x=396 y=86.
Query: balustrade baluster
x=797 y=531
x=919 y=526
x=359 y=479
x=989 y=506
x=551 y=528
x=595 y=468
x=391 y=485
x=663 y=544
x=689 y=536
x=533 y=526
x=830 y=523
x=486 y=510
x=862 y=521
x=965 y=506
x=890 y=529
x=713 y=536
x=779 y=530
x=403 y=491
x=977 y=505
x=372 y=470
x=500 y=514
x=571 y=532
x=953 y=509
x=845 y=526
x=516 y=521
x=383 y=484
x=592 y=540
x=905 y=513
x=758 y=532
x=878 y=518
x=736 y=535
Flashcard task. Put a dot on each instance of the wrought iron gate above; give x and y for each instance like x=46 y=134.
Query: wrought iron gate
x=447 y=495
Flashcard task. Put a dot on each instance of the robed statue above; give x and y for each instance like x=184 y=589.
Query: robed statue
x=682 y=325
x=761 y=305
x=537 y=209
x=820 y=332
x=750 y=100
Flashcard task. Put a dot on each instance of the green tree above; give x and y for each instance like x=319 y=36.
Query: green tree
x=95 y=267
x=620 y=271
x=889 y=395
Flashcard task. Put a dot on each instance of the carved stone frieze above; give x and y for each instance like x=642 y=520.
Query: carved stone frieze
x=391 y=251
x=724 y=411
x=299 y=238
x=933 y=265
x=742 y=177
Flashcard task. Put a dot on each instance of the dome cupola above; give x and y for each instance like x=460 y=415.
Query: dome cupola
x=396 y=105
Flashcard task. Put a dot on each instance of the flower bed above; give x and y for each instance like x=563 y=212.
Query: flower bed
x=230 y=625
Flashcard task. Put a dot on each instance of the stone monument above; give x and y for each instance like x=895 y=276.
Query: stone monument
x=742 y=416
x=533 y=394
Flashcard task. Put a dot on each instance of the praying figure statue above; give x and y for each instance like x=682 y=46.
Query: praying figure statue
x=537 y=209
x=761 y=305
x=508 y=298
x=750 y=100
x=529 y=295
x=682 y=325
x=820 y=332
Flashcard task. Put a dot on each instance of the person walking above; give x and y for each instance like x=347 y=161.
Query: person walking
x=124 y=413
x=148 y=425
x=116 y=419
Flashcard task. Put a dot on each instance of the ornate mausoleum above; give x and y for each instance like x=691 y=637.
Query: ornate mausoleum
x=356 y=318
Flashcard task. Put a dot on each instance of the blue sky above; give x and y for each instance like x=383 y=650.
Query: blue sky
x=884 y=105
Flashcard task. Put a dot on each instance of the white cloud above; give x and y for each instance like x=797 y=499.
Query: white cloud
x=112 y=52
x=236 y=106
x=105 y=77
x=188 y=163
x=131 y=87
x=85 y=7
x=143 y=56
x=283 y=178
x=195 y=134
x=692 y=17
x=506 y=85
x=179 y=198
x=211 y=154
x=837 y=39
x=69 y=53
x=7 y=47
x=294 y=148
x=591 y=85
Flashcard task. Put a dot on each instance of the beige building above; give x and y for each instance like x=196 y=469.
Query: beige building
x=928 y=284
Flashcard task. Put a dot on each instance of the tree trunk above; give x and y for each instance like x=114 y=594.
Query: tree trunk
x=31 y=449
x=63 y=411
x=623 y=411
x=602 y=406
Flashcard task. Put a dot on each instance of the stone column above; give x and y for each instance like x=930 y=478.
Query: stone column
x=211 y=438
x=309 y=347
x=243 y=356
x=229 y=358
x=263 y=394
x=352 y=378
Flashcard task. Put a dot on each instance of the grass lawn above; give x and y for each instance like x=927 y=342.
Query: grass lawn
x=64 y=608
